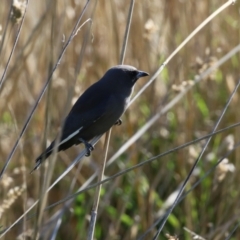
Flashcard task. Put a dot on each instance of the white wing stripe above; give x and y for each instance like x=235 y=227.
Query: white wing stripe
x=70 y=136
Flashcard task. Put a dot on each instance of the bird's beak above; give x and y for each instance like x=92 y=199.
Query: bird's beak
x=142 y=74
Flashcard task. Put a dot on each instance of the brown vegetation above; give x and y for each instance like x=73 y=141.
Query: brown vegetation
x=131 y=203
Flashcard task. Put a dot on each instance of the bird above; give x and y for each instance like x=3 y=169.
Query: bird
x=96 y=110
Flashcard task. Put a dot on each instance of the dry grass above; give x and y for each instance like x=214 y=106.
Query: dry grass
x=131 y=203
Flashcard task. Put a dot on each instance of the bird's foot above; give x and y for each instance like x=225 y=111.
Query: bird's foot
x=89 y=147
x=118 y=122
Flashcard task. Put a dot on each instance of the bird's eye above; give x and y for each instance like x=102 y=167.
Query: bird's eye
x=132 y=74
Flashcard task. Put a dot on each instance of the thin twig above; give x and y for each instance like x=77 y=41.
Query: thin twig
x=98 y=189
x=172 y=103
x=202 y=25
x=14 y=46
x=108 y=135
x=57 y=218
x=69 y=170
x=153 y=226
x=87 y=187
x=43 y=91
x=233 y=231
x=193 y=234
x=45 y=176
x=196 y=162
x=129 y=20
x=5 y=30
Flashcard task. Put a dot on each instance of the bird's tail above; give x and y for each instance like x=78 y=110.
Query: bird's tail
x=43 y=156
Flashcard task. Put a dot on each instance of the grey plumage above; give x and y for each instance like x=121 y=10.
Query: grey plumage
x=97 y=109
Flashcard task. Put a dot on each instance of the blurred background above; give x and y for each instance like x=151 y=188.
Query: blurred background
x=131 y=203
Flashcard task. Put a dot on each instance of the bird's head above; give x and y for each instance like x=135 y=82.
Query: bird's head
x=123 y=76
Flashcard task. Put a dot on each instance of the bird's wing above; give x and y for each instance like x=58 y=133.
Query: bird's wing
x=76 y=123
x=90 y=107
